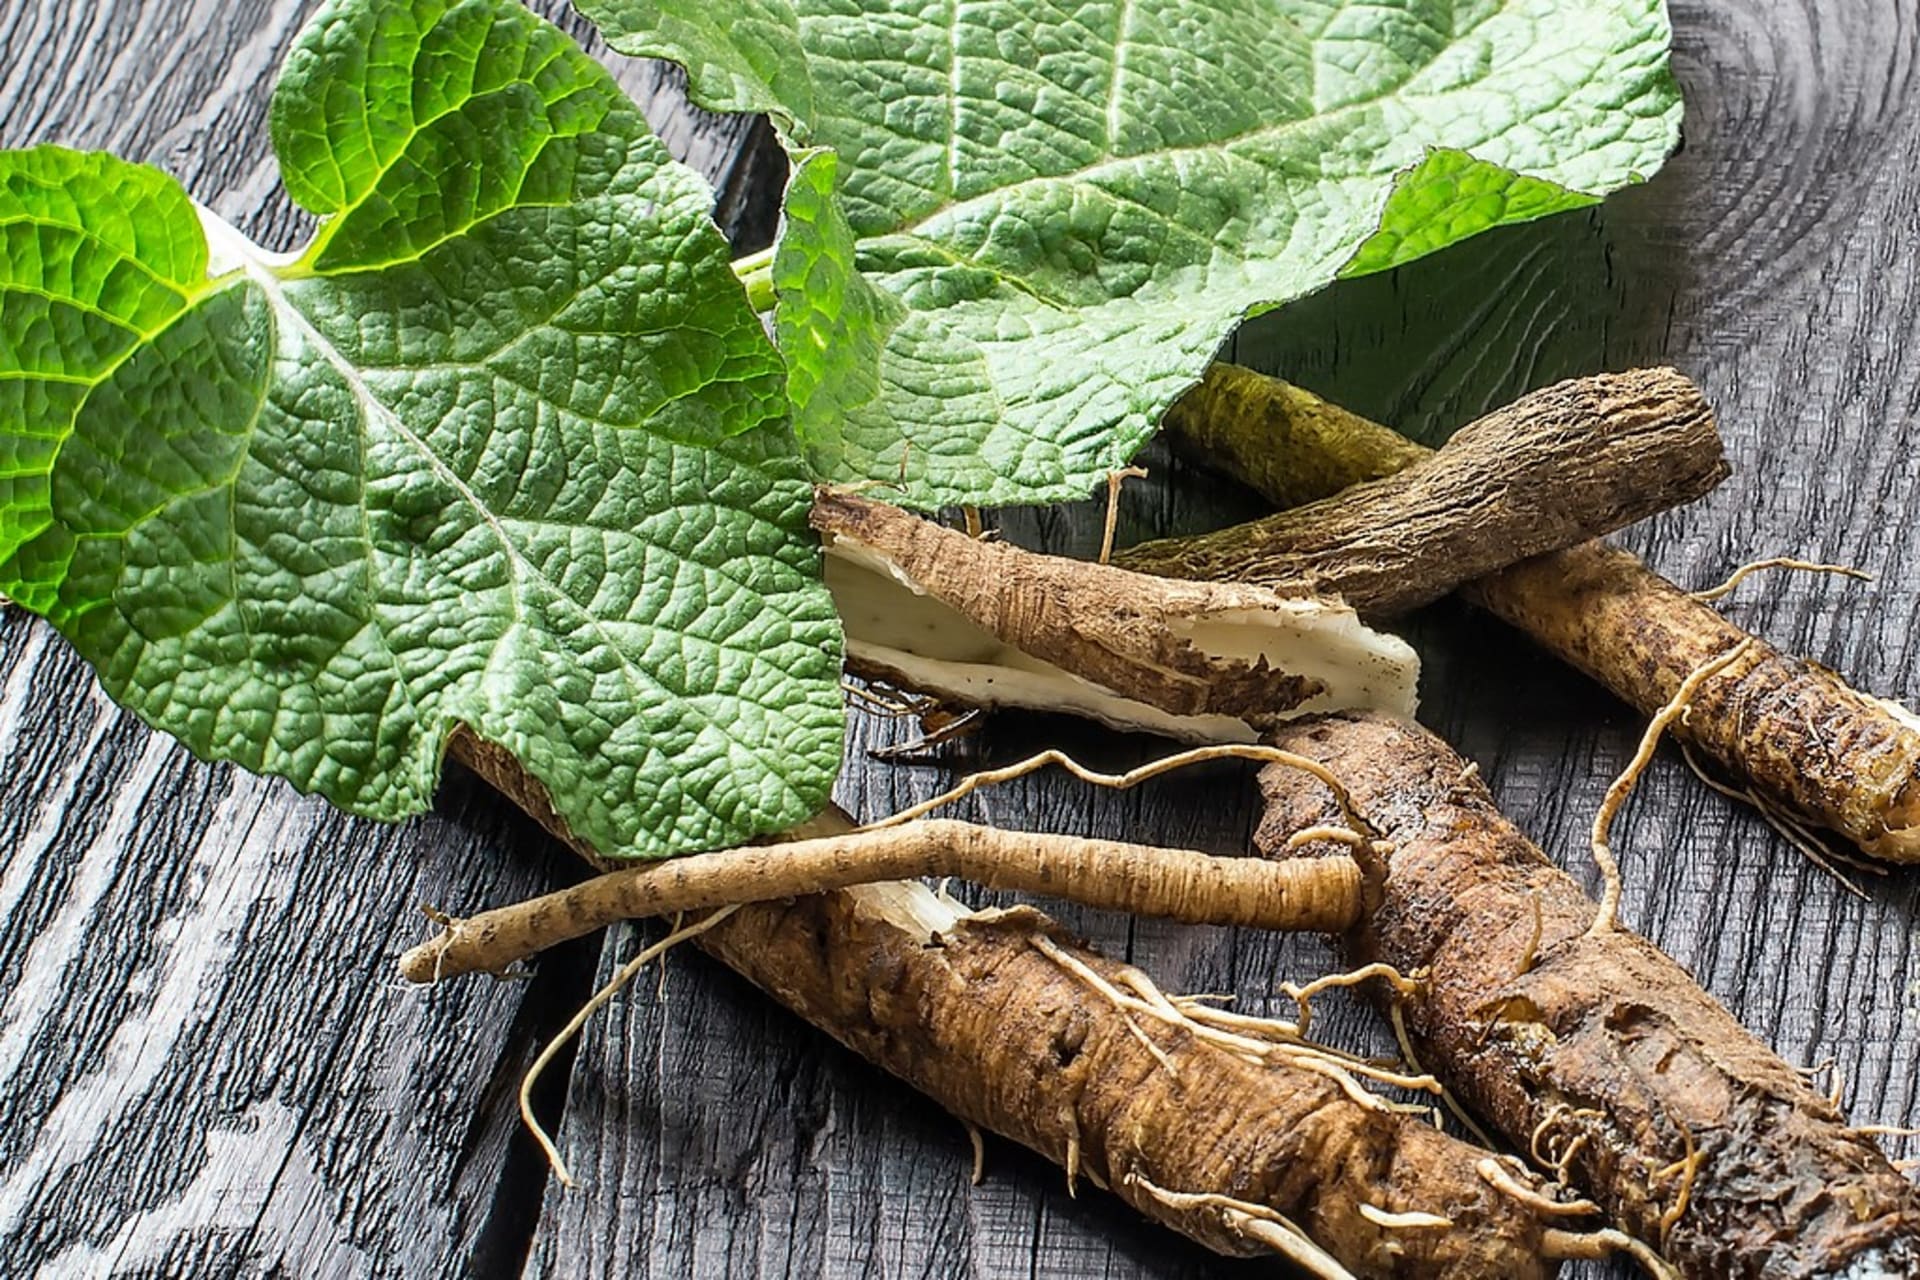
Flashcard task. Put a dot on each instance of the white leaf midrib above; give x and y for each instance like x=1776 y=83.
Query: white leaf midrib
x=263 y=269
x=232 y=251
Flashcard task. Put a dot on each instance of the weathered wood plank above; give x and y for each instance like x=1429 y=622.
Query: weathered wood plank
x=205 y=1059
x=204 y=1068
x=1767 y=262
x=207 y=1065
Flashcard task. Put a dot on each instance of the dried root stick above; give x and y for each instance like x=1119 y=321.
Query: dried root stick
x=1553 y=469
x=1246 y=1157
x=1792 y=729
x=1592 y=1048
x=994 y=1028
x=1795 y=731
x=988 y=624
x=1321 y=896
x=1272 y=632
x=1283 y=441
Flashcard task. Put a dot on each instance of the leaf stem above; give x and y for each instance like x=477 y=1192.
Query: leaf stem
x=755 y=271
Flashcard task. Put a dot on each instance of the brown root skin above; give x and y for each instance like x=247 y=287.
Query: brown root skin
x=1795 y=730
x=498 y=767
x=1321 y=896
x=988 y=623
x=984 y=1023
x=1689 y=1132
x=1799 y=733
x=1556 y=467
x=1008 y=1040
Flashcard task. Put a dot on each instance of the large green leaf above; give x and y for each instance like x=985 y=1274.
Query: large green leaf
x=1059 y=211
x=505 y=447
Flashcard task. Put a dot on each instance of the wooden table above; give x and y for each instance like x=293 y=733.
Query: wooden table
x=208 y=1067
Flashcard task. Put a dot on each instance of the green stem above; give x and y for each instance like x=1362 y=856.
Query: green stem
x=756 y=273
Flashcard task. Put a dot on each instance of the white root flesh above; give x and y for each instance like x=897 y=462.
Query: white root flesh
x=932 y=638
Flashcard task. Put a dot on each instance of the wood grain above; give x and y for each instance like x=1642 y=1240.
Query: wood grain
x=207 y=1065
x=205 y=1068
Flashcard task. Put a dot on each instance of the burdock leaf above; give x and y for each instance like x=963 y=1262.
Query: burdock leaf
x=1059 y=212
x=504 y=448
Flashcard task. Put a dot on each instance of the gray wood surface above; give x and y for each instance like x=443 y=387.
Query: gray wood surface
x=207 y=1069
